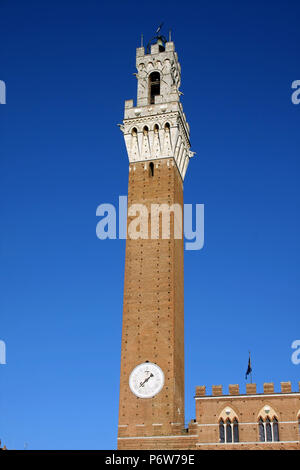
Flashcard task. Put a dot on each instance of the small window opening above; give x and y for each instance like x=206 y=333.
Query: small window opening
x=154 y=86
x=236 y=431
x=261 y=428
x=222 y=431
x=228 y=431
x=151 y=169
x=275 y=430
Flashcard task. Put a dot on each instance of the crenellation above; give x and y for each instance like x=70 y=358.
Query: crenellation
x=251 y=389
x=200 y=391
x=170 y=46
x=286 y=387
x=268 y=387
x=234 y=389
x=140 y=51
x=128 y=104
x=154 y=49
x=217 y=390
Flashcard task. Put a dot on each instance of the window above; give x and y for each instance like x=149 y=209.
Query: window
x=236 y=431
x=275 y=430
x=261 y=429
x=222 y=431
x=268 y=429
x=154 y=86
x=229 y=431
x=151 y=169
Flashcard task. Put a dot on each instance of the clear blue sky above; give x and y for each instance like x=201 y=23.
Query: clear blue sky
x=68 y=69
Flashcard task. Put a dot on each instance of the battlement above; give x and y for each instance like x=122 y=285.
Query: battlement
x=251 y=389
x=154 y=49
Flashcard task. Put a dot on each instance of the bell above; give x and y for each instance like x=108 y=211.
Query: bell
x=160 y=44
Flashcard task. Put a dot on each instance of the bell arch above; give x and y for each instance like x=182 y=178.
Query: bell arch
x=154 y=86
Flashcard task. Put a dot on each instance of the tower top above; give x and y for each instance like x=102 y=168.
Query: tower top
x=158 y=109
x=159 y=63
x=160 y=40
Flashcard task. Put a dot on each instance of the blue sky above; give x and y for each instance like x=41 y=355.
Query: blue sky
x=68 y=69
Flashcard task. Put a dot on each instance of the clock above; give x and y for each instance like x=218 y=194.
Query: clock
x=146 y=380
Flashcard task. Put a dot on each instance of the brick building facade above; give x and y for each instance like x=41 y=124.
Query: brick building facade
x=251 y=421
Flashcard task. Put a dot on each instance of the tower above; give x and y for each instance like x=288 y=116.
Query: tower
x=156 y=135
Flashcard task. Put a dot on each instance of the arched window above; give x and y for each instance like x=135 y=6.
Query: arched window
x=268 y=430
x=275 y=430
x=154 y=86
x=235 y=430
x=229 y=431
x=222 y=431
x=151 y=169
x=261 y=429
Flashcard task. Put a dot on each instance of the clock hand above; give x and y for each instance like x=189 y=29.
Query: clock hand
x=146 y=380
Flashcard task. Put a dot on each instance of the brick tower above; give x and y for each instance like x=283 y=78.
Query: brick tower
x=152 y=359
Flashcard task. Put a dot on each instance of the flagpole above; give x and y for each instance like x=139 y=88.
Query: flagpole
x=249 y=369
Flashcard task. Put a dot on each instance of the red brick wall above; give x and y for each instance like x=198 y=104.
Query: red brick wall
x=153 y=323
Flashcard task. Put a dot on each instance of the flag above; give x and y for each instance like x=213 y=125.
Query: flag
x=249 y=369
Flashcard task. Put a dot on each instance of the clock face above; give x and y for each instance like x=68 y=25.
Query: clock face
x=146 y=380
